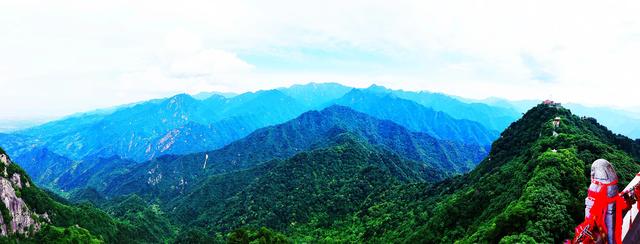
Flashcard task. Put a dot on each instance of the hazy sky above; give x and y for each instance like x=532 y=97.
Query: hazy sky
x=60 y=57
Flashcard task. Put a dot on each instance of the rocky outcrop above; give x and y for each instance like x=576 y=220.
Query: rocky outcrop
x=21 y=217
x=16 y=216
x=4 y=159
x=15 y=179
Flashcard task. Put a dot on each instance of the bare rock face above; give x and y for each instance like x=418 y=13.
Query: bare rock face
x=21 y=217
x=15 y=179
x=3 y=228
x=4 y=159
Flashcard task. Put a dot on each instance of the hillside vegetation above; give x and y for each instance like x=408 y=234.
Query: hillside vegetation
x=530 y=189
x=42 y=217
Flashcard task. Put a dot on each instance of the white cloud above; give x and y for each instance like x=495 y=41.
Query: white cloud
x=183 y=64
x=579 y=51
x=208 y=62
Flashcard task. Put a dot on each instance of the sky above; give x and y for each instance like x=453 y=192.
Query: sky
x=62 y=57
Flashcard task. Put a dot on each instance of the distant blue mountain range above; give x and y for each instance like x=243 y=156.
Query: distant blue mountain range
x=183 y=124
x=386 y=105
x=170 y=176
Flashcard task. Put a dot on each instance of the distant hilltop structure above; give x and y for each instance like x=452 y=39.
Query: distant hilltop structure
x=551 y=103
x=556 y=122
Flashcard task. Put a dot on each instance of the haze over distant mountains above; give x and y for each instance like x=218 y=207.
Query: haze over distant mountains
x=503 y=111
x=182 y=124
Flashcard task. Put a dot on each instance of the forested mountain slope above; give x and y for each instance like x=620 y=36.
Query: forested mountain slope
x=31 y=215
x=56 y=172
x=173 y=175
x=530 y=189
x=314 y=189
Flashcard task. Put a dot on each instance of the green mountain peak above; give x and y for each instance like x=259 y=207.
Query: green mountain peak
x=531 y=187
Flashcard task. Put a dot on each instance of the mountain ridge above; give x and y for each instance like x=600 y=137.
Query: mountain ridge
x=530 y=189
x=310 y=130
x=386 y=105
x=138 y=130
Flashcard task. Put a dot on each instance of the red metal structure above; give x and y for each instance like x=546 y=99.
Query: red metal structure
x=610 y=216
